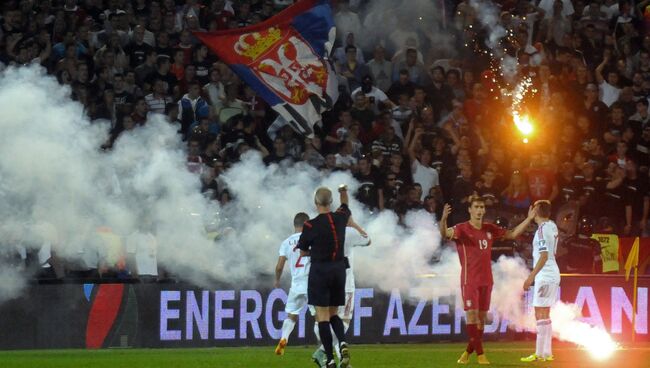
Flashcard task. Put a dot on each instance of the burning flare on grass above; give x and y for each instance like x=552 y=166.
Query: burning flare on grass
x=568 y=327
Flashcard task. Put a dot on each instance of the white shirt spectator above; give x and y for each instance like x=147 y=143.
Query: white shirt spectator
x=144 y=248
x=346 y=21
x=402 y=114
x=345 y=160
x=426 y=176
x=608 y=93
x=44 y=255
x=216 y=95
x=382 y=73
x=157 y=105
x=547 y=6
x=375 y=96
x=398 y=128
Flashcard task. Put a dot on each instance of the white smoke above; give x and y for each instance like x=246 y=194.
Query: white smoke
x=509 y=275
x=390 y=23
x=57 y=187
x=488 y=14
x=567 y=326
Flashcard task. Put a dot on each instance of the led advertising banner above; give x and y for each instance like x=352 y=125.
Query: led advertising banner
x=177 y=315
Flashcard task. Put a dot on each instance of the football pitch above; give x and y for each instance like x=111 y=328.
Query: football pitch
x=363 y=356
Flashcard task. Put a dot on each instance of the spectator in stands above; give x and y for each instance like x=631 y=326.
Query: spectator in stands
x=158 y=99
x=113 y=54
x=402 y=85
x=279 y=154
x=376 y=97
x=381 y=70
x=352 y=69
x=423 y=173
x=580 y=253
x=637 y=201
x=370 y=191
x=344 y=158
x=192 y=107
x=362 y=111
x=140 y=110
x=416 y=71
x=516 y=193
x=439 y=92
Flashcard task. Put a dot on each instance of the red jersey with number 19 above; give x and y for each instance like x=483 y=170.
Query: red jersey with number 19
x=475 y=250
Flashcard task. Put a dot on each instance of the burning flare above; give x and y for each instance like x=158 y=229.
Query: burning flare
x=569 y=327
x=523 y=124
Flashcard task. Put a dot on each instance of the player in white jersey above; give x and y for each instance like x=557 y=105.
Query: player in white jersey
x=299 y=266
x=355 y=236
x=546 y=276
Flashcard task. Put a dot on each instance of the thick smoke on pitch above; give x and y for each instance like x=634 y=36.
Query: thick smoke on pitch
x=58 y=189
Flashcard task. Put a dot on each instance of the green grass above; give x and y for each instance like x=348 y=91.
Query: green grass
x=363 y=356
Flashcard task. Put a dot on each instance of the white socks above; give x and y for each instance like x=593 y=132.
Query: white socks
x=549 y=340
x=544 y=338
x=287 y=328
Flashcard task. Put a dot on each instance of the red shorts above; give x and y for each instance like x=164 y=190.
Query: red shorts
x=476 y=297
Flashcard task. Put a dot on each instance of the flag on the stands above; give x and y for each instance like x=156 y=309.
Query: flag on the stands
x=284 y=59
x=632 y=259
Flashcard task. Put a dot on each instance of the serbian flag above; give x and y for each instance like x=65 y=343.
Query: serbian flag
x=285 y=60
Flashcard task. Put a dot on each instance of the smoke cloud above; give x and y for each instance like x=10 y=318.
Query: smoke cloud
x=391 y=23
x=57 y=188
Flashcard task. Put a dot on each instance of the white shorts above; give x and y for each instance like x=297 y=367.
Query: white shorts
x=295 y=302
x=545 y=293
x=345 y=311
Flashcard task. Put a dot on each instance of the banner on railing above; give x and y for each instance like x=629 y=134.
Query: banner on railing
x=173 y=315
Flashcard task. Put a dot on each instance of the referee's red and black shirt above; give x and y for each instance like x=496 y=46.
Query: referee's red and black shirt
x=324 y=235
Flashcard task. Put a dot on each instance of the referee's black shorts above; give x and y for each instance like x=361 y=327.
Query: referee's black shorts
x=326 y=286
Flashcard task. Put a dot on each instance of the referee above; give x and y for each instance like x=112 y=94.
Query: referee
x=323 y=239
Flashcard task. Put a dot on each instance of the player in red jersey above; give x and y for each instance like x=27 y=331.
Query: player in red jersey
x=474 y=240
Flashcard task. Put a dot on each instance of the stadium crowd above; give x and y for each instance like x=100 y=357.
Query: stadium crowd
x=418 y=123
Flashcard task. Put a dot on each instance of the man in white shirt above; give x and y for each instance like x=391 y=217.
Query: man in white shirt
x=158 y=99
x=381 y=69
x=423 y=173
x=374 y=94
x=609 y=90
x=142 y=249
x=546 y=276
x=299 y=266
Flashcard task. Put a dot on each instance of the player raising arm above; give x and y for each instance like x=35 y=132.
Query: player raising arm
x=474 y=240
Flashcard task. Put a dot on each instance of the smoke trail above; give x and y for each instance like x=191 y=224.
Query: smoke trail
x=489 y=16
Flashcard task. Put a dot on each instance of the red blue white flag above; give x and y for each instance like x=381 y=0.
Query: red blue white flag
x=285 y=60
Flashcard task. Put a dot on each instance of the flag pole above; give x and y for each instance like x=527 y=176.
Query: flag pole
x=636 y=274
